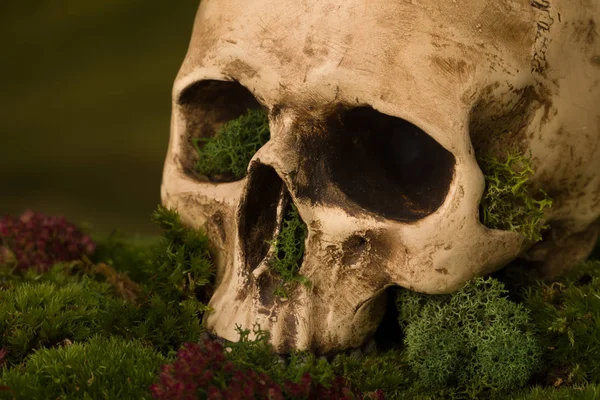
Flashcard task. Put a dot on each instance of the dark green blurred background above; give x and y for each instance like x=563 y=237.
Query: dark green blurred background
x=85 y=106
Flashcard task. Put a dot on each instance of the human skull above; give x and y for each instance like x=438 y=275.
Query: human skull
x=377 y=110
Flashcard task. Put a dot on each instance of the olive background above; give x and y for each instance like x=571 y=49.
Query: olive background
x=85 y=106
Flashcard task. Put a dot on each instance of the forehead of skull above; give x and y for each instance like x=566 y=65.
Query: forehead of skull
x=408 y=51
x=291 y=30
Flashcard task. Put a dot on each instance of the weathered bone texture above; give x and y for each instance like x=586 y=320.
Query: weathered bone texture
x=448 y=80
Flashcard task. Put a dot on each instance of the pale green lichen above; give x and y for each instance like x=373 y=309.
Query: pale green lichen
x=507 y=202
x=474 y=340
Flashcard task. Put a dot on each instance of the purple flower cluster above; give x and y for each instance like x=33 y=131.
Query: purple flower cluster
x=35 y=240
x=204 y=372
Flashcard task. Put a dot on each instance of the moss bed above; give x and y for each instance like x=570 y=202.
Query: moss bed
x=111 y=317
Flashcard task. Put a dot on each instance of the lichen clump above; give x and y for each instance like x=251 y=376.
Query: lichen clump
x=289 y=251
x=473 y=340
x=507 y=202
x=226 y=155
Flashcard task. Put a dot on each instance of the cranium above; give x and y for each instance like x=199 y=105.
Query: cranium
x=377 y=111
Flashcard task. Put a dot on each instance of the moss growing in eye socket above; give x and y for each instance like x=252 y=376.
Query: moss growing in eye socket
x=507 y=203
x=289 y=250
x=226 y=155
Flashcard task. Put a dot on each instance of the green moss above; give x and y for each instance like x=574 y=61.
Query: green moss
x=163 y=324
x=587 y=392
x=179 y=267
x=62 y=307
x=175 y=275
x=59 y=274
x=507 y=202
x=258 y=355
x=101 y=368
x=567 y=315
x=226 y=155
x=124 y=253
x=289 y=251
x=40 y=314
x=387 y=371
x=469 y=342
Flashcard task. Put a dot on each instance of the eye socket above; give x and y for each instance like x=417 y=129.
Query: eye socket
x=498 y=125
x=225 y=127
x=388 y=165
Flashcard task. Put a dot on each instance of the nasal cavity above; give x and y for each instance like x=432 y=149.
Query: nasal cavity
x=258 y=213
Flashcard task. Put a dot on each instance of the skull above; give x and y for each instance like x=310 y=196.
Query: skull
x=377 y=111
